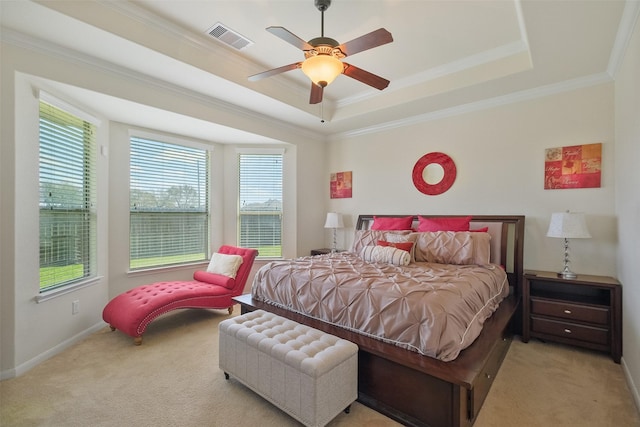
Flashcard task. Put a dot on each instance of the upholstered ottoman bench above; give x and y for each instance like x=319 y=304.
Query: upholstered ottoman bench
x=309 y=374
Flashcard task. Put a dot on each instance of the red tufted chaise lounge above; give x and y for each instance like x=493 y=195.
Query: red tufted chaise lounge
x=131 y=311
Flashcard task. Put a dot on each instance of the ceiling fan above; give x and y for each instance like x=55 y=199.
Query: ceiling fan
x=323 y=57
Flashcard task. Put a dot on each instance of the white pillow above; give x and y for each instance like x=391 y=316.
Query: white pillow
x=387 y=254
x=224 y=264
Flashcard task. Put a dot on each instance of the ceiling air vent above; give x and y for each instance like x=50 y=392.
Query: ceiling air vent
x=227 y=36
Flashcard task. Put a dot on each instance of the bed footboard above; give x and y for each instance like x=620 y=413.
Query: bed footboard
x=417 y=390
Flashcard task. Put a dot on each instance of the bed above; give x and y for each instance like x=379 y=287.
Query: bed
x=412 y=382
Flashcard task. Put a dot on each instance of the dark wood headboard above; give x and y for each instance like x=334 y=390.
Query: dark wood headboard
x=511 y=239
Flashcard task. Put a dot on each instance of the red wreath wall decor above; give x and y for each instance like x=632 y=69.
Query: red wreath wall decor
x=447 y=180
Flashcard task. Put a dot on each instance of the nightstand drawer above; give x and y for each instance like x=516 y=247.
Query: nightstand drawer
x=585 y=311
x=570 y=330
x=570 y=310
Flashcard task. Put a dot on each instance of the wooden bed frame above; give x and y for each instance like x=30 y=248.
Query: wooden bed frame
x=417 y=390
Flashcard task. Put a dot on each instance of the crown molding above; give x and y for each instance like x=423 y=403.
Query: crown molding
x=44 y=47
x=163 y=26
x=450 y=68
x=630 y=16
x=234 y=60
x=524 y=95
x=469 y=62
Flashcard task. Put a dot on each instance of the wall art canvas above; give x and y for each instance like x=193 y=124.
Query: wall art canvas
x=340 y=185
x=575 y=166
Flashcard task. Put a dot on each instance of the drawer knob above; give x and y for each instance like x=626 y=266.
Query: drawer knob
x=568 y=331
x=567 y=311
x=488 y=376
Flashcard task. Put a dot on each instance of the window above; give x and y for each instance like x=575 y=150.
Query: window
x=260 y=196
x=169 y=204
x=67 y=200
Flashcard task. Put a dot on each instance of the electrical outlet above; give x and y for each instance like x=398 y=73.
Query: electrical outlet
x=75 y=307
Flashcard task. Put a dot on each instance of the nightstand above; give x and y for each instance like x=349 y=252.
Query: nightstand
x=585 y=311
x=322 y=251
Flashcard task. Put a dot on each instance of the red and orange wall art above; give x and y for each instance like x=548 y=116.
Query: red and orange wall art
x=341 y=185
x=575 y=166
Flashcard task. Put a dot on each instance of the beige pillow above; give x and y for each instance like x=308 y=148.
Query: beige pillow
x=453 y=247
x=224 y=264
x=364 y=238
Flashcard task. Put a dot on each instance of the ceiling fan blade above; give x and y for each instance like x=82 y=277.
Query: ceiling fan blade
x=316 y=94
x=365 y=76
x=274 y=71
x=289 y=37
x=368 y=41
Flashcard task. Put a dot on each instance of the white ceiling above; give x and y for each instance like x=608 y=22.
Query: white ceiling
x=447 y=56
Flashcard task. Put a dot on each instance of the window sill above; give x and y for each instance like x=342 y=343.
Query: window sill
x=164 y=269
x=54 y=293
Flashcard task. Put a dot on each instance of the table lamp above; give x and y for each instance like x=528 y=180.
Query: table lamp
x=334 y=221
x=568 y=225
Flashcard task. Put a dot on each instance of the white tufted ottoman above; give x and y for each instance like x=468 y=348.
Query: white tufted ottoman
x=307 y=373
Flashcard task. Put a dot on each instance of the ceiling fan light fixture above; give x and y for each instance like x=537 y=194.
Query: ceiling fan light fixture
x=322 y=69
x=323 y=57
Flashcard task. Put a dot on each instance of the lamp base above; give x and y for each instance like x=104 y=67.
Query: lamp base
x=567 y=274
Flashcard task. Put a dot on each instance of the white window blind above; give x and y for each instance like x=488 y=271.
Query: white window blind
x=260 y=196
x=169 y=199
x=67 y=200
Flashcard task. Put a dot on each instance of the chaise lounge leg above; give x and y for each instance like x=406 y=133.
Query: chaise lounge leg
x=112 y=328
x=137 y=340
x=347 y=409
x=230 y=310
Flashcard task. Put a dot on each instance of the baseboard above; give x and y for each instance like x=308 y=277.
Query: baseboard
x=6 y=374
x=632 y=386
x=24 y=367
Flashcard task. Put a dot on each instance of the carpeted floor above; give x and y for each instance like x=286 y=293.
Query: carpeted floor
x=173 y=379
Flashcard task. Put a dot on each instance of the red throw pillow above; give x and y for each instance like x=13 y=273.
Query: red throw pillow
x=405 y=246
x=392 y=223
x=444 y=224
x=214 y=279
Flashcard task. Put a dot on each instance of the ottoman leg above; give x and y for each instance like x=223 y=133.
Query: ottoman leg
x=137 y=340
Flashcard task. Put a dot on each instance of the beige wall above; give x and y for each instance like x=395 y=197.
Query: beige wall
x=499 y=155
x=627 y=158
x=30 y=332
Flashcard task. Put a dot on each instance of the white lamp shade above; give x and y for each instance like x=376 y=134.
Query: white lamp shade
x=334 y=220
x=568 y=225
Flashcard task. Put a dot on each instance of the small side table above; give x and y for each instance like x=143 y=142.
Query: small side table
x=585 y=311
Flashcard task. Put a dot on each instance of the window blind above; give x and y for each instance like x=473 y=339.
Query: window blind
x=169 y=199
x=260 y=196
x=67 y=200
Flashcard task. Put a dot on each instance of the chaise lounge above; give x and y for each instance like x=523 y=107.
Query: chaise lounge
x=131 y=311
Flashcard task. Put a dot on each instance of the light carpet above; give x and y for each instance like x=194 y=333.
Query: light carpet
x=173 y=379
